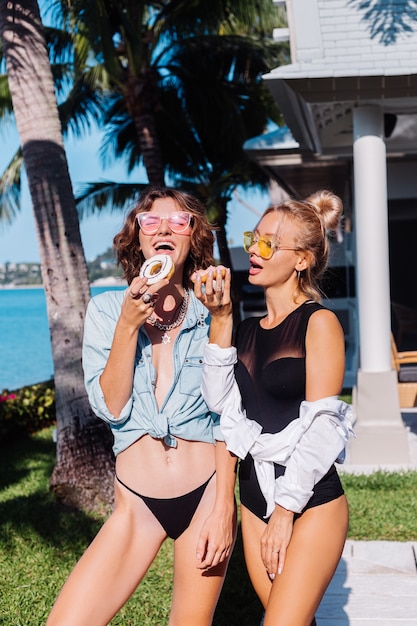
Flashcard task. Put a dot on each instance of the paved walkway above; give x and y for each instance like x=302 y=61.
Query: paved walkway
x=375 y=585
x=376 y=581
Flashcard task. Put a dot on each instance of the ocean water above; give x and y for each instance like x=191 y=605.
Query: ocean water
x=25 y=348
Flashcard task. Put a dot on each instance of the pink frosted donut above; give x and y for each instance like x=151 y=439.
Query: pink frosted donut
x=157 y=267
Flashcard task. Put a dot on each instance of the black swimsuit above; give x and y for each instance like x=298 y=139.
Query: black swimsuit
x=174 y=514
x=271 y=375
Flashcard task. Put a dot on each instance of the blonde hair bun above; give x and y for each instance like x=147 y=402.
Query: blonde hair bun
x=328 y=207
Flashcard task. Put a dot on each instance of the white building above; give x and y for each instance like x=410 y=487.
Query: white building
x=349 y=98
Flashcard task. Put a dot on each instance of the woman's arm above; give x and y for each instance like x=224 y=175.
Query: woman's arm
x=218 y=533
x=116 y=381
x=218 y=385
x=219 y=530
x=117 y=377
x=325 y=356
x=222 y=395
x=215 y=295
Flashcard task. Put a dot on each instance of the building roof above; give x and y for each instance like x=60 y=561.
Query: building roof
x=345 y=56
x=334 y=38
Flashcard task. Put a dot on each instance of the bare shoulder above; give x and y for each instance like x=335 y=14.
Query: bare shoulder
x=325 y=355
x=324 y=332
x=324 y=321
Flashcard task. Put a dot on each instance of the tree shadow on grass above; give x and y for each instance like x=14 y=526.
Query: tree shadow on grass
x=20 y=456
x=33 y=507
x=59 y=527
x=238 y=604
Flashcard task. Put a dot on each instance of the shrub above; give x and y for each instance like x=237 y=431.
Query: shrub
x=26 y=410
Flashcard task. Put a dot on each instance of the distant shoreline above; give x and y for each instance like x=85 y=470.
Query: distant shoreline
x=10 y=287
x=110 y=281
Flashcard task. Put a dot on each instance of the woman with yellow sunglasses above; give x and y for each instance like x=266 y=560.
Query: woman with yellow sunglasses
x=278 y=392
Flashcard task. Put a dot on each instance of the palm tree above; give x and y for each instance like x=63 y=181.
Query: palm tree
x=79 y=105
x=207 y=99
x=184 y=79
x=143 y=60
x=133 y=44
x=82 y=474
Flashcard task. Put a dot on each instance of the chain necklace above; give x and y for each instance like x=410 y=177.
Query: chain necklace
x=166 y=327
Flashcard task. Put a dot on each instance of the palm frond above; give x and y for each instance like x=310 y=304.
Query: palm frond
x=120 y=140
x=81 y=108
x=10 y=188
x=6 y=106
x=106 y=196
x=60 y=44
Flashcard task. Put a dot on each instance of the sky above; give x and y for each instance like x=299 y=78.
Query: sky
x=18 y=242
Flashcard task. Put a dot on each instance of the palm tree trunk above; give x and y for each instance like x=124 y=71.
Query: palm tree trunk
x=149 y=147
x=84 y=466
x=140 y=98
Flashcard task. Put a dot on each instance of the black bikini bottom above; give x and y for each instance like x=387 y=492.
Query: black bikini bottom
x=174 y=514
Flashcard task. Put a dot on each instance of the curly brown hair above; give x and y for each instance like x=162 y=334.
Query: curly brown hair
x=126 y=242
x=316 y=217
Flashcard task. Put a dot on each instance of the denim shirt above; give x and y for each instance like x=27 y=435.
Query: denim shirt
x=184 y=413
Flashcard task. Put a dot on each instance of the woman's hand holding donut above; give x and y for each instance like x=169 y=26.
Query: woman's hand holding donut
x=216 y=297
x=215 y=294
x=157 y=267
x=140 y=300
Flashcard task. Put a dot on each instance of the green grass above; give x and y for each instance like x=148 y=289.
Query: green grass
x=40 y=541
x=383 y=506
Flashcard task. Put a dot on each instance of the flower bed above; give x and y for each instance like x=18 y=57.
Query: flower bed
x=26 y=410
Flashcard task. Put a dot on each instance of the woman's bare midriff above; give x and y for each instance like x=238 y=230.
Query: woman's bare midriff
x=154 y=469
x=149 y=466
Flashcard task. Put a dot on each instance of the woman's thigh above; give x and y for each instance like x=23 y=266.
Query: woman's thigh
x=196 y=591
x=112 y=566
x=312 y=557
x=252 y=531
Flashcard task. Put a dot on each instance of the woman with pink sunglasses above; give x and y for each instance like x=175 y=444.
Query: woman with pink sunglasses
x=142 y=359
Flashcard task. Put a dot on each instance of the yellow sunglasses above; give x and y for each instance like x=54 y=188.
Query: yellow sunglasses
x=266 y=245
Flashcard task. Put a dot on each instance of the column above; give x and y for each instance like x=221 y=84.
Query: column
x=382 y=439
x=371 y=215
